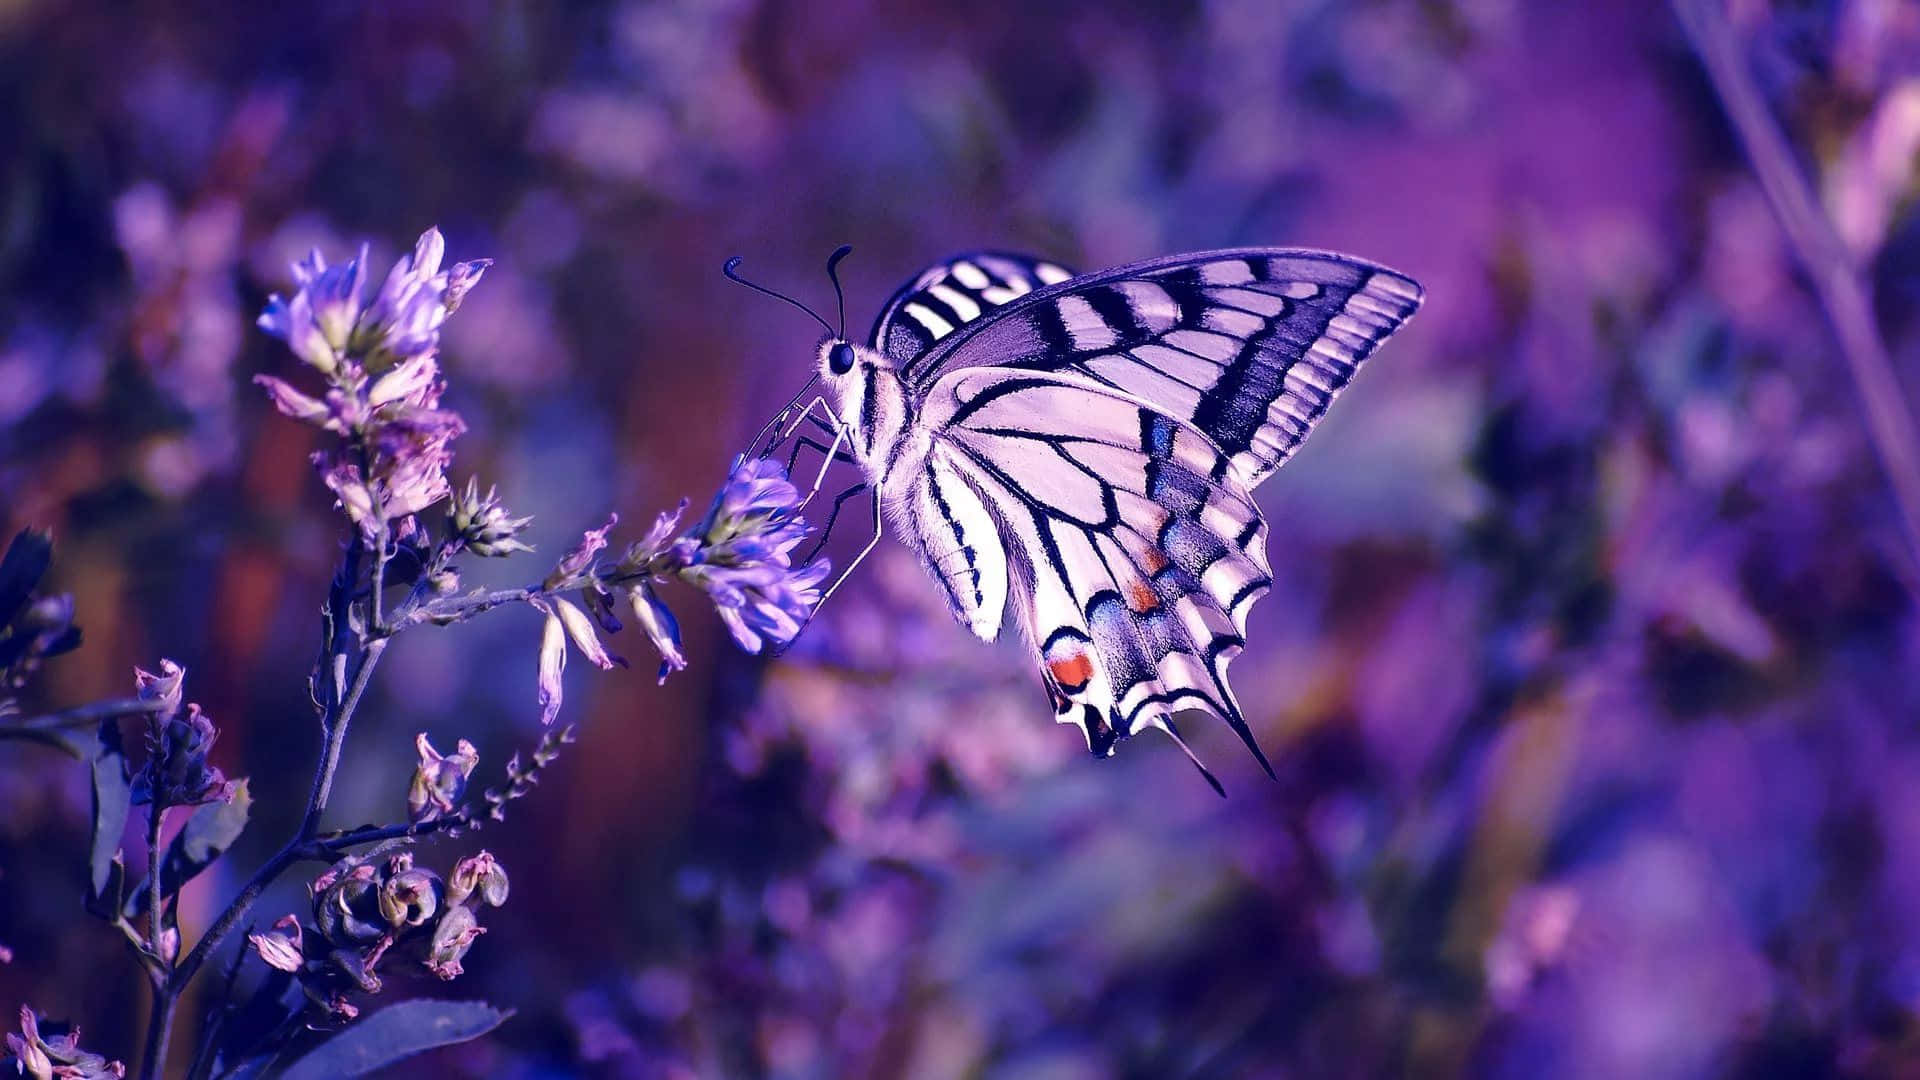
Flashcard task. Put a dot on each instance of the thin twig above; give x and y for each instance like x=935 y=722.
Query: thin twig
x=1810 y=233
x=330 y=846
x=460 y=608
x=86 y=715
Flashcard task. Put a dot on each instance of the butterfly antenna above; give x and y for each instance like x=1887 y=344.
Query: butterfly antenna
x=732 y=273
x=833 y=275
x=1212 y=780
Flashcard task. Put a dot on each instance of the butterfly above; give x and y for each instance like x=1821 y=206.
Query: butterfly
x=1078 y=452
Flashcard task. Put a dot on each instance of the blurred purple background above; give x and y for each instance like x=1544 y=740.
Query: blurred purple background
x=1590 y=665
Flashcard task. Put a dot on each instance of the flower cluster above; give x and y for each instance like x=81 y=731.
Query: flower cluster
x=740 y=554
x=44 y=1057
x=369 y=911
x=379 y=359
x=177 y=772
x=33 y=629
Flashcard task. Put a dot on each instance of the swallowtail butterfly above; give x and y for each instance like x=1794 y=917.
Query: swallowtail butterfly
x=1082 y=450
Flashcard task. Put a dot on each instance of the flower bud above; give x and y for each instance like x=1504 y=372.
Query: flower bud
x=347 y=910
x=439 y=782
x=28 y=1049
x=163 y=690
x=461 y=278
x=451 y=940
x=581 y=631
x=409 y=897
x=45 y=1057
x=553 y=664
x=483 y=524
x=280 y=946
x=478 y=877
x=177 y=772
x=660 y=625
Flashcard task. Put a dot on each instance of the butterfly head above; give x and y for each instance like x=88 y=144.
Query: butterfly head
x=861 y=382
x=866 y=393
x=839 y=358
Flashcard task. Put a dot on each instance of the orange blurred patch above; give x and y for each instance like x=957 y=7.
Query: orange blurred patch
x=1155 y=560
x=1141 y=598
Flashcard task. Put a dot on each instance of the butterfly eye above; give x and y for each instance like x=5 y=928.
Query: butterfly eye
x=840 y=358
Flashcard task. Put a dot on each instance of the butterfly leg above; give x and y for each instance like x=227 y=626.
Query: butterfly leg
x=829 y=454
x=826 y=530
x=879 y=527
x=809 y=442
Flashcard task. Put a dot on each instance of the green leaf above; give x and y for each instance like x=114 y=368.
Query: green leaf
x=112 y=796
x=209 y=833
x=396 y=1033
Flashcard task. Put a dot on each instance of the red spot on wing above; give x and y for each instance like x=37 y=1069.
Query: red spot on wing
x=1141 y=598
x=1155 y=560
x=1072 y=671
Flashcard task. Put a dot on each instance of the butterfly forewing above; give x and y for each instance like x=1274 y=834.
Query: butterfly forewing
x=1250 y=346
x=951 y=294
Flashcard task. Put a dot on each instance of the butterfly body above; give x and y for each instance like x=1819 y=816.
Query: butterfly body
x=1081 y=451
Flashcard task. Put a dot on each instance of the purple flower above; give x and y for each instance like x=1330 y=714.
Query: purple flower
x=319 y=320
x=580 y=559
x=385 y=385
x=741 y=555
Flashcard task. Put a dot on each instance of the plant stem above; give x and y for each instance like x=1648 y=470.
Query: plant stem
x=154 y=817
x=336 y=738
x=336 y=716
x=1810 y=234
x=160 y=1022
x=159 y=1027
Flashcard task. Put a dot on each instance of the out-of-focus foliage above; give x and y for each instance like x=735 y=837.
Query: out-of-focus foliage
x=1588 y=666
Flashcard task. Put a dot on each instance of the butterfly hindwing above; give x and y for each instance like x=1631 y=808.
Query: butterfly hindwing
x=953 y=293
x=1133 y=556
x=1250 y=346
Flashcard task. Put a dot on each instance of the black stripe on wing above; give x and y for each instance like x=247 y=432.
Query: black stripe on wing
x=1251 y=346
x=954 y=292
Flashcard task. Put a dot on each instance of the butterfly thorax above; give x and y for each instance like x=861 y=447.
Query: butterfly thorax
x=871 y=401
